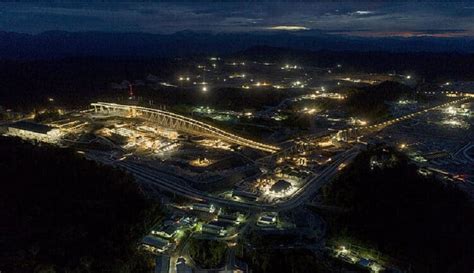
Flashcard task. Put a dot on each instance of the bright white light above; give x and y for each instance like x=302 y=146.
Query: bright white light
x=344 y=250
x=451 y=110
x=408 y=77
x=363 y=12
x=204 y=89
x=289 y=28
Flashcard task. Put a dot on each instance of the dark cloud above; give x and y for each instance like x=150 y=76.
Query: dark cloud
x=350 y=18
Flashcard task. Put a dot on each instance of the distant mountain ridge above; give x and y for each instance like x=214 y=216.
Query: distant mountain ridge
x=60 y=44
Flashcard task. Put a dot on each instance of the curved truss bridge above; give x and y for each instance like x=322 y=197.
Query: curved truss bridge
x=180 y=123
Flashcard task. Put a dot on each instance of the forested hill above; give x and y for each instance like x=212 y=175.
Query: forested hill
x=438 y=66
x=61 y=44
x=420 y=222
x=63 y=213
x=368 y=102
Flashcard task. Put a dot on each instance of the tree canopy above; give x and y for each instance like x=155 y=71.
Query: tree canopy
x=207 y=253
x=424 y=223
x=63 y=213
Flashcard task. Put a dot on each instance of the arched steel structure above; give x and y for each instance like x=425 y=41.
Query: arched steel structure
x=180 y=123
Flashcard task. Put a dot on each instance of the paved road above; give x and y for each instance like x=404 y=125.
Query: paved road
x=173 y=184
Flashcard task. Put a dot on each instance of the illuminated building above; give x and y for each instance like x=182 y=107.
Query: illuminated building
x=200 y=162
x=204 y=207
x=213 y=230
x=281 y=186
x=229 y=218
x=33 y=131
x=244 y=194
x=166 y=232
x=155 y=244
x=267 y=219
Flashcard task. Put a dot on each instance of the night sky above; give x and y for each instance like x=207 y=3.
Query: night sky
x=369 y=19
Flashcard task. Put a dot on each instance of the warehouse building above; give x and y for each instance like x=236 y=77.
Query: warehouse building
x=33 y=131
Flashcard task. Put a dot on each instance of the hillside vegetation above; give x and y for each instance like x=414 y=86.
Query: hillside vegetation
x=423 y=223
x=63 y=213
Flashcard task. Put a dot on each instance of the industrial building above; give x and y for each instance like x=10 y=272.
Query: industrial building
x=244 y=195
x=33 y=131
x=267 y=220
x=209 y=208
x=155 y=244
x=213 y=230
x=281 y=186
x=182 y=267
x=162 y=264
x=167 y=232
x=228 y=218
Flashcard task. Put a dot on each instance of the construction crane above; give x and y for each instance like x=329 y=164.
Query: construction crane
x=130 y=90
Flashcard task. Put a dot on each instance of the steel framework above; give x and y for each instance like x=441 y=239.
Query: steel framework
x=180 y=123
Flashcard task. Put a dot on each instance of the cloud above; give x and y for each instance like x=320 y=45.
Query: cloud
x=362 y=12
x=387 y=18
x=448 y=33
x=289 y=28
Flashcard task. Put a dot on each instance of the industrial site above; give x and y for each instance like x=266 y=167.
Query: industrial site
x=225 y=172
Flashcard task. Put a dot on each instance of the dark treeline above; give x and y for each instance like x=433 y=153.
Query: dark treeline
x=71 y=82
x=424 y=224
x=298 y=261
x=263 y=254
x=369 y=102
x=78 y=81
x=221 y=98
x=63 y=213
x=61 y=44
x=207 y=253
x=430 y=66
